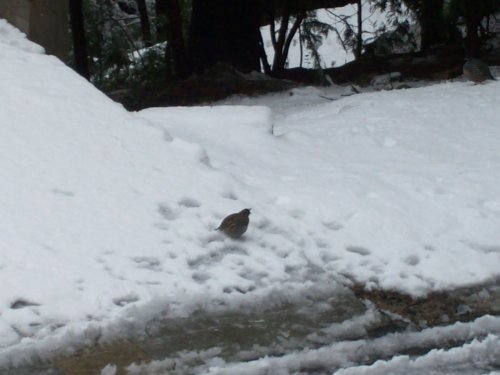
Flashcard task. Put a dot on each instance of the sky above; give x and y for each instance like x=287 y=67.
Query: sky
x=108 y=216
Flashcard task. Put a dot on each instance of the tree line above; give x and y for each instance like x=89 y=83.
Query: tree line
x=179 y=38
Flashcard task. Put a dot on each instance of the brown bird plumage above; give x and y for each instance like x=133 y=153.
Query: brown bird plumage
x=236 y=224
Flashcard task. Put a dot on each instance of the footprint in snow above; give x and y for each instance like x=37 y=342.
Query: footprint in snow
x=327 y=257
x=21 y=303
x=297 y=214
x=189 y=202
x=486 y=249
x=167 y=212
x=322 y=243
x=376 y=269
x=162 y=226
x=332 y=225
x=429 y=248
x=200 y=277
x=412 y=260
x=150 y=263
x=238 y=289
x=229 y=195
x=216 y=256
x=65 y=193
x=252 y=275
x=358 y=250
x=125 y=300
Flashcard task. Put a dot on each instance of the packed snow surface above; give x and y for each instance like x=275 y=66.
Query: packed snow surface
x=108 y=215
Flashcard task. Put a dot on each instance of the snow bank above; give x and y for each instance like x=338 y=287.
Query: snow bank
x=99 y=209
x=12 y=37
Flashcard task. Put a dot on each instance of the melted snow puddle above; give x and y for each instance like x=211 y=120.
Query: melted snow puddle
x=313 y=335
x=242 y=334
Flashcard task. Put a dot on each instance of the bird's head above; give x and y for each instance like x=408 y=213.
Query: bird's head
x=246 y=211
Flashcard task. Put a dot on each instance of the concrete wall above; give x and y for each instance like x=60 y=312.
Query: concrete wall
x=44 y=22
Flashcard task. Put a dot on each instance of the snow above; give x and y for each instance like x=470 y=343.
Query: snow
x=478 y=354
x=109 y=370
x=11 y=36
x=107 y=217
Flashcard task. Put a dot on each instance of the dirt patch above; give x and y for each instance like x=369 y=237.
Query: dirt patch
x=218 y=83
x=221 y=81
x=92 y=360
x=437 y=308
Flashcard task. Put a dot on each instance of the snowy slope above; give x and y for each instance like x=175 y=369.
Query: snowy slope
x=98 y=208
x=395 y=189
x=107 y=216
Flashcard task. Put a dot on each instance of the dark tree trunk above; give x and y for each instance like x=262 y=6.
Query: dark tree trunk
x=176 y=39
x=301 y=47
x=161 y=8
x=263 y=55
x=225 y=31
x=278 y=44
x=145 y=26
x=282 y=44
x=288 y=41
x=359 y=36
x=432 y=23
x=79 y=40
x=472 y=22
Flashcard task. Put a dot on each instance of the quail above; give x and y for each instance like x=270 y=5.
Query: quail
x=476 y=70
x=235 y=224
